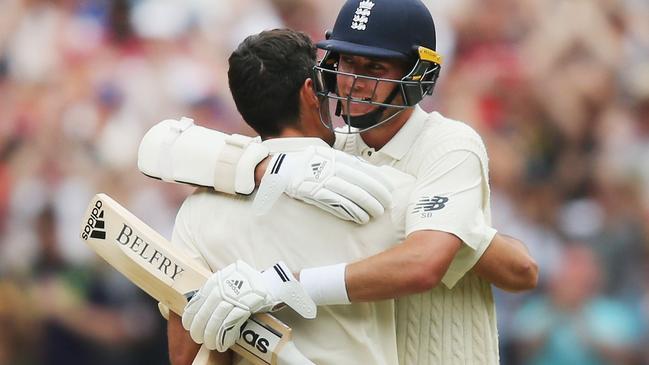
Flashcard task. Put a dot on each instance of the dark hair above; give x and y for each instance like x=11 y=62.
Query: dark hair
x=266 y=73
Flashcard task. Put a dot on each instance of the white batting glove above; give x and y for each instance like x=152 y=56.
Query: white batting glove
x=343 y=185
x=214 y=315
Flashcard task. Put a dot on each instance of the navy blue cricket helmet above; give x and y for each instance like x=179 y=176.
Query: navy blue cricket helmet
x=384 y=29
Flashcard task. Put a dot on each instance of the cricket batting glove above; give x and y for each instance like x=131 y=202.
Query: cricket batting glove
x=343 y=185
x=215 y=314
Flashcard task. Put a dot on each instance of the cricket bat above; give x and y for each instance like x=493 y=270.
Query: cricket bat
x=170 y=276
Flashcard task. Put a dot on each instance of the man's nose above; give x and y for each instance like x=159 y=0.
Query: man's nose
x=353 y=85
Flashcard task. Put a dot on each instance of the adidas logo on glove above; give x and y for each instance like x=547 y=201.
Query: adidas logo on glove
x=317 y=168
x=235 y=285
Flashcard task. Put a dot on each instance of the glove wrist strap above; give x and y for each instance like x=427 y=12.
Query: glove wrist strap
x=284 y=287
x=234 y=171
x=326 y=284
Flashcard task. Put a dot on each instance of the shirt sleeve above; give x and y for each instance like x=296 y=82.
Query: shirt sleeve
x=450 y=196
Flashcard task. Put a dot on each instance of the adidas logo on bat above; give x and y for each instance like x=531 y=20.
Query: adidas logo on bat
x=95 y=225
x=254 y=339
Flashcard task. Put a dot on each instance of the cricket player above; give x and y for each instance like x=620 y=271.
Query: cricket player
x=376 y=70
x=218 y=229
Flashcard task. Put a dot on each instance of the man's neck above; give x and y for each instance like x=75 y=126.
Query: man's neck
x=288 y=132
x=291 y=133
x=329 y=138
x=381 y=135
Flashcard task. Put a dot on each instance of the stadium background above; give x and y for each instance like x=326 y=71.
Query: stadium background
x=559 y=90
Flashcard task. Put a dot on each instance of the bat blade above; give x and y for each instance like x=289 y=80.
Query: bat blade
x=167 y=273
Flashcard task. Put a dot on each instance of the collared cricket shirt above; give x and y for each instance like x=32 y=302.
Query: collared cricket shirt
x=454 y=323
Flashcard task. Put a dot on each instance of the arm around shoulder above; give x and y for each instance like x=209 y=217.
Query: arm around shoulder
x=414 y=266
x=507 y=264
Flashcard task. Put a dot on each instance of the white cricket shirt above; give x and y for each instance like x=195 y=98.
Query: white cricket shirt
x=454 y=323
x=218 y=229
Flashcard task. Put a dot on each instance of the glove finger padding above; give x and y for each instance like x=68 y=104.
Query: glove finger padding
x=213 y=325
x=355 y=194
x=229 y=331
x=368 y=178
x=339 y=206
x=197 y=302
x=213 y=304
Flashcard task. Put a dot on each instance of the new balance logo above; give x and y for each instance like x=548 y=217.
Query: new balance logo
x=235 y=285
x=95 y=225
x=317 y=168
x=427 y=204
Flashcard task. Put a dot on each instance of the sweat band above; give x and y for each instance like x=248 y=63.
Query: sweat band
x=326 y=284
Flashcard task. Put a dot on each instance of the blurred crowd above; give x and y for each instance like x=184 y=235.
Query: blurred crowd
x=559 y=90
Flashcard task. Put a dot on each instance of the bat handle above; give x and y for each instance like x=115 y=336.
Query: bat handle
x=290 y=355
x=203 y=357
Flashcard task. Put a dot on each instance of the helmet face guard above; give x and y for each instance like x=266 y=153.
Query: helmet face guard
x=412 y=88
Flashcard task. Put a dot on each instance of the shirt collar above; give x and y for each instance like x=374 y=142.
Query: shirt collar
x=292 y=144
x=398 y=145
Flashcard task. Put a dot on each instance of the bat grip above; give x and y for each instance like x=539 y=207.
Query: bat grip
x=290 y=355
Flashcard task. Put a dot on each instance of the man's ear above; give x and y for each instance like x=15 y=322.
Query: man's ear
x=307 y=93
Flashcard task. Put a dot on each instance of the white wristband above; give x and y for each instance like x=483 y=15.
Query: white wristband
x=326 y=284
